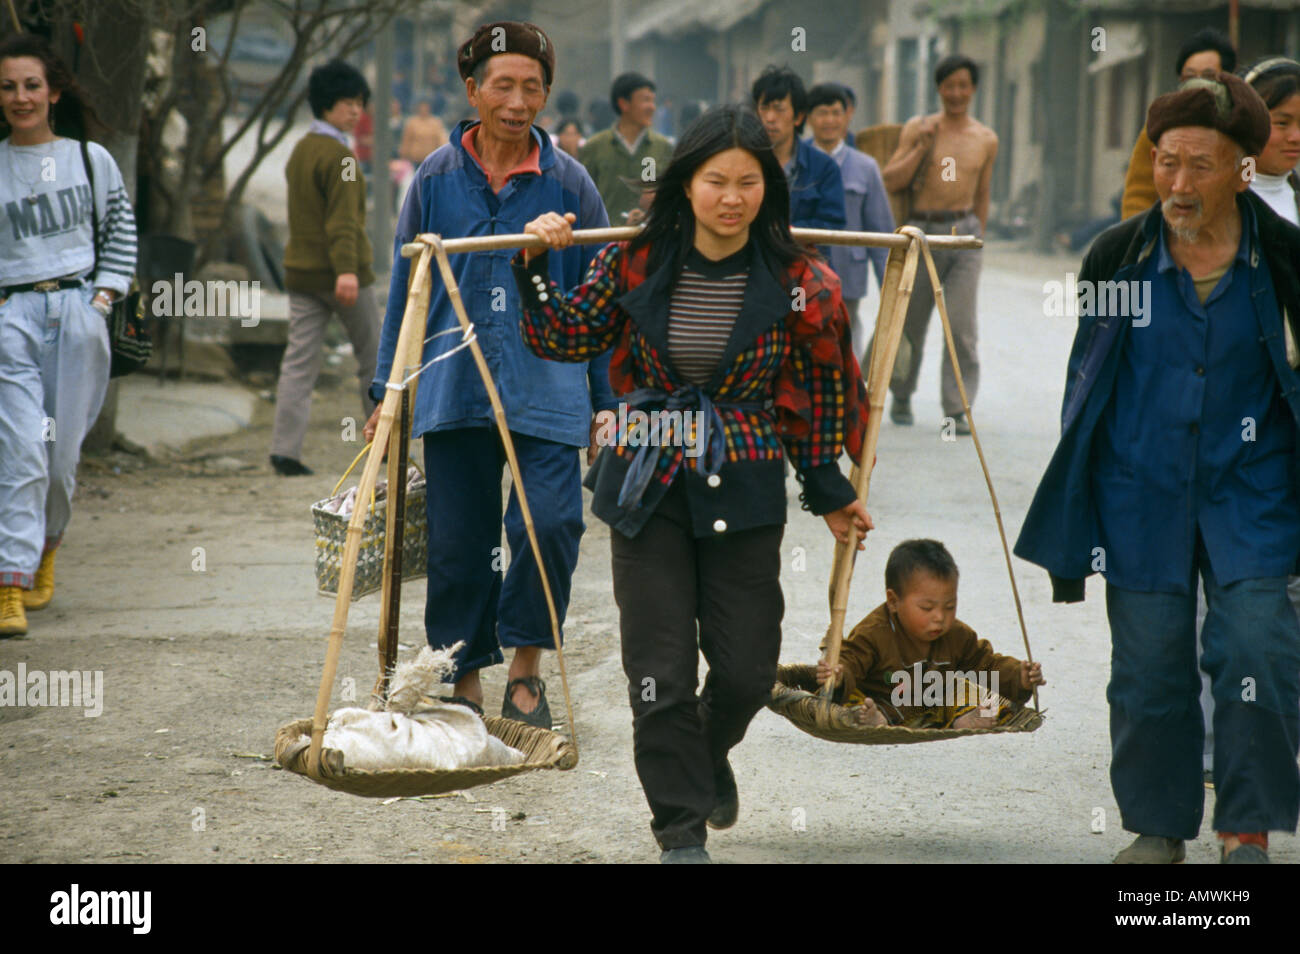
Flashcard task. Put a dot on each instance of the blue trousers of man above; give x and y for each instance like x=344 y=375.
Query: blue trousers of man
x=469 y=598
x=1251 y=652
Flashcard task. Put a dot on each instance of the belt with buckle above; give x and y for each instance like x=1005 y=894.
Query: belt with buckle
x=48 y=285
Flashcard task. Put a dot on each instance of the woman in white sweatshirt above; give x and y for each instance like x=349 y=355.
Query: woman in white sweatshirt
x=55 y=293
x=1277 y=80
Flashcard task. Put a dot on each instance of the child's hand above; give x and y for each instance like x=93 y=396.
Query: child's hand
x=824 y=673
x=851 y=520
x=973 y=720
x=554 y=229
x=869 y=714
x=1031 y=674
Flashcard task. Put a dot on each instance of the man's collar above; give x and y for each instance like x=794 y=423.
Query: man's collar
x=635 y=144
x=834 y=151
x=531 y=163
x=323 y=128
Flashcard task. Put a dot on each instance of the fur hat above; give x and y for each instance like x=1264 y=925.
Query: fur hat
x=507 y=36
x=1226 y=103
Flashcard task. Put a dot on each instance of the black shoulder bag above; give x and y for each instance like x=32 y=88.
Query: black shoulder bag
x=129 y=335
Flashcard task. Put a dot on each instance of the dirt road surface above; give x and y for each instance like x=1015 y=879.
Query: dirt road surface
x=189 y=584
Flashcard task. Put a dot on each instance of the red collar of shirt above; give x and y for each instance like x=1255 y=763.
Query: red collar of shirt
x=530 y=164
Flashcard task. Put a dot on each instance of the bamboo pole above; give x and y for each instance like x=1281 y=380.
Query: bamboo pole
x=413 y=321
x=924 y=242
x=453 y=294
x=895 y=294
x=394 y=542
x=491 y=243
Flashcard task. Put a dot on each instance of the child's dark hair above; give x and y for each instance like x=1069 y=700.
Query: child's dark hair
x=913 y=556
x=334 y=81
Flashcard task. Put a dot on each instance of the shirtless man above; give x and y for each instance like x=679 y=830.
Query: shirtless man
x=422 y=134
x=946 y=160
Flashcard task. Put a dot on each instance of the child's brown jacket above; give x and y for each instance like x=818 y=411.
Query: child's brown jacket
x=873 y=651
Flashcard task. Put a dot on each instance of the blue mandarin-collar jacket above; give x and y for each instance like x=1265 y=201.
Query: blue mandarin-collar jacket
x=816 y=191
x=1115 y=490
x=866 y=207
x=450 y=195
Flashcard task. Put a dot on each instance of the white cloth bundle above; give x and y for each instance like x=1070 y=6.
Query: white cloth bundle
x=342 y=503
x=437 y=736
x=417 y=732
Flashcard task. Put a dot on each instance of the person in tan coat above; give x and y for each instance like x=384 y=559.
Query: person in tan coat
x=912 y=662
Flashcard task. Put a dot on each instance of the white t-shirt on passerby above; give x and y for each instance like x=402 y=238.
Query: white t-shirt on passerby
x=45 y=216
x=1278 y=193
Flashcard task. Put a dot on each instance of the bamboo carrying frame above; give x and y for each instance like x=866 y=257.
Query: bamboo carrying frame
x=791 y=697
x=547 y=749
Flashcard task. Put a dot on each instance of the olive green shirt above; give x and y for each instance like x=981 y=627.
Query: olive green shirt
x=327 y=216
x=612 y=167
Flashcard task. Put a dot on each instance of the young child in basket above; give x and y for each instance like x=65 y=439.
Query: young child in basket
x=912 y=662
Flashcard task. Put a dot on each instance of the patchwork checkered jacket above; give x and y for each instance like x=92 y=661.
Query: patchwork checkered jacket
x=788 y=386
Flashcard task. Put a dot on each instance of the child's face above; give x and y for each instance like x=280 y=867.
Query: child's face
x=927 y=607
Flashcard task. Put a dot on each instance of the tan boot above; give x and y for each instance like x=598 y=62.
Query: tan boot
x=13 y=621
x=39 y=596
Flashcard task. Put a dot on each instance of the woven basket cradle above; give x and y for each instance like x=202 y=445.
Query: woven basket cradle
x=542 y=748
x=332 y=534
x=795 y=697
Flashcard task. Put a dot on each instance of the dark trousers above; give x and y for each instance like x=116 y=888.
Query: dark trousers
x=467 y=599
x=1251 y=651
x=677 y=596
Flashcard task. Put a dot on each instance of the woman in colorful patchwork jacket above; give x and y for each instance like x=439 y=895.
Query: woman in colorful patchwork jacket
x=731 y=354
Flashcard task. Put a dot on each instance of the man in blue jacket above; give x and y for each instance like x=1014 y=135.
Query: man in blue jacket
x=1178 y=457
x=866 y=204
x=816 y=187
x=494 y=176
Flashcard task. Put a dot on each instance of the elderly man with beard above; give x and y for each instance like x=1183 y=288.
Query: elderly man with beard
x=1177 y=458
x=498 y=173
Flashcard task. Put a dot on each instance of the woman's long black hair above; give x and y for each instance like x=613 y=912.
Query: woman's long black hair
x=670 y=225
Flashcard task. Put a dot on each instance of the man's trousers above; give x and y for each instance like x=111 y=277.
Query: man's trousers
x=309 y=313
x=469 y=598
x=1251 y=652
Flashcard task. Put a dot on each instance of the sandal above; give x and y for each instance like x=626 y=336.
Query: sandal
x=462 y=701
x=541 y=714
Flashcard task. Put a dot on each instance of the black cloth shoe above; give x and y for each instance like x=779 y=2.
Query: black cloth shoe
x=900 y=412
x=540 y=716
x=288 y=467
x=693 y=855
x=726 y=800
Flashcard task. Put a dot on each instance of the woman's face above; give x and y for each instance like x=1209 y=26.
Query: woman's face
x=24 y=95
x=1283 y=150
x=726 y=193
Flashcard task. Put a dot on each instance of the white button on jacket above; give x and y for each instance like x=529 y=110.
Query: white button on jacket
x=719 y=526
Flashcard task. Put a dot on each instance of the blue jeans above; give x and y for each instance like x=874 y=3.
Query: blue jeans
x=1251 y=652
x=468 y=598
x=54 y=362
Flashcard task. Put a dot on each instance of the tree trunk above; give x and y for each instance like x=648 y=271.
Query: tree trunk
x=111 y=71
